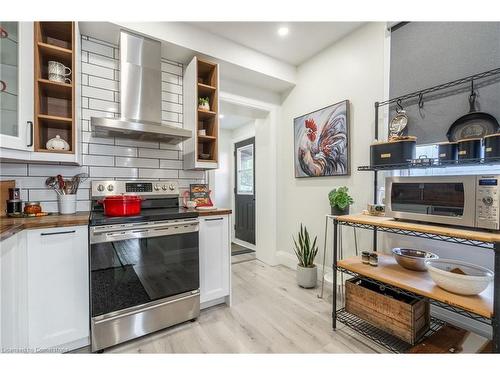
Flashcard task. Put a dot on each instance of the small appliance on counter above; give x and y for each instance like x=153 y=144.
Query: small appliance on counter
x=400 y=151
x=144 y=269
x=469 y=201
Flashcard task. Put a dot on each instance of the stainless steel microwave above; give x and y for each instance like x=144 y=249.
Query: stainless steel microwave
x=469 y=201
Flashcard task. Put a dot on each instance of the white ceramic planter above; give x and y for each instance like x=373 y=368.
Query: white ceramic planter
x=307 y=276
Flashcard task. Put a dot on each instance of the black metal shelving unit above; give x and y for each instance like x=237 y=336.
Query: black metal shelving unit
x=389 y=342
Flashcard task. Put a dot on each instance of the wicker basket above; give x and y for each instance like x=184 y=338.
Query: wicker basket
x=402 y=316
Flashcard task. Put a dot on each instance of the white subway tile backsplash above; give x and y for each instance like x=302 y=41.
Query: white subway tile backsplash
x=171 y=164
x=107 y=157
x=171 y=107
x=170 y=68
x=103 y=83
x=53 y=170
x=103 y=105
x=172 y=88
x=153 y=153
x=111 y=150
x=192 y=174
x=99 y=48
x=111 y=172
x=136 y=162
x=97 y=160
x=94 y=92
x=98 y=71
x=158 y=173
x=13 y=169
x=103 y=61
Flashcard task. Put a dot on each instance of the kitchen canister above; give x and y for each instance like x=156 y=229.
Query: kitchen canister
x=447 y=151
x=67 y=204
x=491 y=146
x=469 y=149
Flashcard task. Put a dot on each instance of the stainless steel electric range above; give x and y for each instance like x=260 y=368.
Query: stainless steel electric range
x=144 y=269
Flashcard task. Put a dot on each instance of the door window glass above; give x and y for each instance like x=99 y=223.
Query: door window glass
x=244 y=168
x=8 y=78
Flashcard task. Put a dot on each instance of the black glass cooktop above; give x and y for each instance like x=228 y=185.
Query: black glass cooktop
x=152 y=210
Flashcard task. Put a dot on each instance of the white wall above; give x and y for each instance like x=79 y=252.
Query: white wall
x=352 y=69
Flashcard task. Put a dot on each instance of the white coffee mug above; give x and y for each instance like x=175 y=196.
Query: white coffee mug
x=58 y=68
x=58 y=78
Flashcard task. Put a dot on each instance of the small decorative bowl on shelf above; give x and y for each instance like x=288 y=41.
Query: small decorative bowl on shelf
x=204 y=156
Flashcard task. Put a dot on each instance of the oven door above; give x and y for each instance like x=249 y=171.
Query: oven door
x=136 y=264
x=437 y=199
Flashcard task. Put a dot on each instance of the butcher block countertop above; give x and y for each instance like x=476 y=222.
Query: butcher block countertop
x=217 y=211
x=10 y=225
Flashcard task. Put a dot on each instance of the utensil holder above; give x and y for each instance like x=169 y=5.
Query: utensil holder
x=67 y=204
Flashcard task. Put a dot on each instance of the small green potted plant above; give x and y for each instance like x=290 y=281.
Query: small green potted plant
x=306 y=251
x=203 y=104
x=340 y=200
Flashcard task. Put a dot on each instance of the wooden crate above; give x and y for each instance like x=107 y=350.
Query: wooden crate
x=402 y=316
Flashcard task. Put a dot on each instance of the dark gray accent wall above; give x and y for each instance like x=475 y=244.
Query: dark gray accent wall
x=425 y=54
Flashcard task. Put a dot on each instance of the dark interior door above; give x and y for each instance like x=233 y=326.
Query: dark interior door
x=244 y=190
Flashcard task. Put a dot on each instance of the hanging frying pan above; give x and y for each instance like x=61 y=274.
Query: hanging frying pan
x=474 y=124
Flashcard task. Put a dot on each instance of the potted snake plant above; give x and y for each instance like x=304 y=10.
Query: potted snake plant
x=340 y=200
x=306 y=251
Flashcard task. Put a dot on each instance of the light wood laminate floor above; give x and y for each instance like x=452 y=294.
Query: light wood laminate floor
x=270 y=314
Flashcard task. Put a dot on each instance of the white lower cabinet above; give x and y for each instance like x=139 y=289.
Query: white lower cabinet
x=45 y=290
x=58 y=287
x=215 y=260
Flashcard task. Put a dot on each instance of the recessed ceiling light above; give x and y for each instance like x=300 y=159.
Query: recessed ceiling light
x=283 y=31
x=221 y=116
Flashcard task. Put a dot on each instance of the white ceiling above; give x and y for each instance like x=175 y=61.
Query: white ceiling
x=236 y=115
x=304 y=40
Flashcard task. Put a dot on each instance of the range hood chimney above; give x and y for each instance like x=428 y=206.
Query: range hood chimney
x=140 y=95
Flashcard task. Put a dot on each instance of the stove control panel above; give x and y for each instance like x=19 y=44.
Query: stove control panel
x=143 y=188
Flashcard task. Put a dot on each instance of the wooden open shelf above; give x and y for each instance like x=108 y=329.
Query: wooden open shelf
x=206 y=138
x=440 y=230
x=54 y=101
x=205 y=90
x=389 y=272
x=206 y=115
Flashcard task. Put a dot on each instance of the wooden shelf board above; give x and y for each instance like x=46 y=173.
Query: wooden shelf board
x=66 y=120
x=443 y=230
x=54 y=151
x=389 y=272
x=205 y=89
x=54 y=49
x=207 y=160
x=204 y=115
x=206 y=138
x=56 y=89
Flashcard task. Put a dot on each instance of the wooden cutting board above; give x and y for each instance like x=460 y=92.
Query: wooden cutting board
x=4 y=195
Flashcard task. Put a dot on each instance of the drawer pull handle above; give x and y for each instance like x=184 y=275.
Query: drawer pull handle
x=30 y=123
x=216 y=219
x=66 y=232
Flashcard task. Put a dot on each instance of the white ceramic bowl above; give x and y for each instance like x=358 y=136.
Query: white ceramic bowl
x=475 y=280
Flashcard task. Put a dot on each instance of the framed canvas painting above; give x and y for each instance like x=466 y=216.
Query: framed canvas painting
x=321 y=142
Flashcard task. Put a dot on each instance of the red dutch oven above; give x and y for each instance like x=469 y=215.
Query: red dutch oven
x=122 y=205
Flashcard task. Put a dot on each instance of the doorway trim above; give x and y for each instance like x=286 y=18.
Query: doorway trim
x=266 y=175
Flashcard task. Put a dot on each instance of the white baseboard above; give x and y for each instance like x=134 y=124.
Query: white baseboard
x=217 y=301
x=248 y=245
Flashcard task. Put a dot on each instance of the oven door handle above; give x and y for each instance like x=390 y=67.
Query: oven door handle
x=152 y=231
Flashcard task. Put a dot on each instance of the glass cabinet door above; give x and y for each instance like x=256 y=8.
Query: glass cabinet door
x=16 y=84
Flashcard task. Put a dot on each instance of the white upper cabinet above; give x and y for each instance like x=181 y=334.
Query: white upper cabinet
x=16 y=85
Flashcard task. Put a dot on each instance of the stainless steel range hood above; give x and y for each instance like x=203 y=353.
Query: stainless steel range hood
x=140 y=95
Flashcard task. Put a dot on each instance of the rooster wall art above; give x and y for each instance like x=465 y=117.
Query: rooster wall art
x=322 y=143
